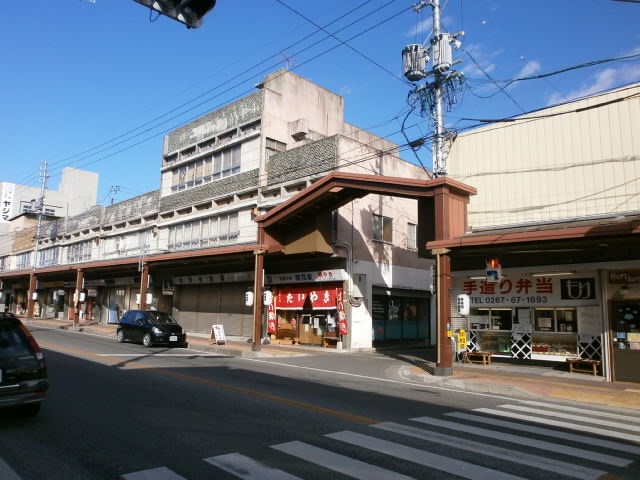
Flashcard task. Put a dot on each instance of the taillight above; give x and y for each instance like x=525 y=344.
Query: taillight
x=32 y=342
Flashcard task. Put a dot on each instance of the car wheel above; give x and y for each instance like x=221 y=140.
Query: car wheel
x=146 y=340
x=120 y=336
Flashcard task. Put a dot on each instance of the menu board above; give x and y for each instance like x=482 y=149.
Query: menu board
x=378 y=310
x=590 y=319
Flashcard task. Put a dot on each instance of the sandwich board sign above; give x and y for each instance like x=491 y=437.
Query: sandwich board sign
x=217 y=334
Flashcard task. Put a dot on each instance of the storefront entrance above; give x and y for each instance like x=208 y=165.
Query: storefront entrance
x=399 y=316
x=308 y=314
x=626 y=341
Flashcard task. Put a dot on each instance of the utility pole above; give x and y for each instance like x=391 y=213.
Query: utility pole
x=36 y=206
x=39 y=207
x=113 y=191
x=433 y=96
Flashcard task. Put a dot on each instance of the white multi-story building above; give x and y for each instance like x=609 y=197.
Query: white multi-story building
x=189 y=247
x=77 y=192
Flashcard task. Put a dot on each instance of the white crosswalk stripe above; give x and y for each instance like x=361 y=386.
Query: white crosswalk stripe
x=558 y=434
x=340 y=463
x=422 y=457
x=469 y=440
x=525 y=441
x=570 y=469
x=548 y=413
x=247 y=468
x=161 y=473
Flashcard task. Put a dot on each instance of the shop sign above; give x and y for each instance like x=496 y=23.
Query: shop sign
x=298 y=298
x=342 y=316
x=271 y=318
x=213 y=278
x=306 y=277
x=6 y=201
x=624 y=276
x=523 y=290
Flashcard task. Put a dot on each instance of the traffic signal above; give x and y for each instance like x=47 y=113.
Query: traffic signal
x=494 y=270
x=189 y=12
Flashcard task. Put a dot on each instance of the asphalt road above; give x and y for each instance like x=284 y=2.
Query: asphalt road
x=124 y=411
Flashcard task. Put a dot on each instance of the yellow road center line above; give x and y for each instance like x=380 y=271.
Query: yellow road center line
x=223 y=386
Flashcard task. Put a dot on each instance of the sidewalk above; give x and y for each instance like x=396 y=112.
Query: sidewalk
x=517 y=381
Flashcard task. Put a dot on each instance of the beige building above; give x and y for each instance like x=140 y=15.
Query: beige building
x=558 y=205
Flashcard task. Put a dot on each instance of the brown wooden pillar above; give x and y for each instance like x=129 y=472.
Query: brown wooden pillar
x=258 y=287
x=33 y=289
x=76 y=297
x=444 y=364
x=144 y=282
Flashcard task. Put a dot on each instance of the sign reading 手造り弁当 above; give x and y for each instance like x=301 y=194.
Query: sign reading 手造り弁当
x=525 y=290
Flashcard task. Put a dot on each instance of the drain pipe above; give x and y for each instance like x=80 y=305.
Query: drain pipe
x=354 y=302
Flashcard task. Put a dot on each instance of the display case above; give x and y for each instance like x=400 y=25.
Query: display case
x=549 y=345
x=494 y=341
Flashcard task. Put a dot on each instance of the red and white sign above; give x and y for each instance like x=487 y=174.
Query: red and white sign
x=298 y=298
x=271 y=318
x=342 y=316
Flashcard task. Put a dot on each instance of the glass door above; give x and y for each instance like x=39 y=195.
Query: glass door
x=625 y=325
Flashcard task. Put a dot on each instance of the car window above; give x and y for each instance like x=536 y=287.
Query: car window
x=162 y=317
x=12 y=342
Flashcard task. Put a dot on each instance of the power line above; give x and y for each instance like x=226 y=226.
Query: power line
x=154 y=124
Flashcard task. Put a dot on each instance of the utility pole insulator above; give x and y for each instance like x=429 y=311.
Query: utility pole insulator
x=433 y=94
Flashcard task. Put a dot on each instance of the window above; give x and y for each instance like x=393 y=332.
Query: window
x=79 y=252
x=215 y=166
x=274 y=146
x=382 y=229
x=491 y=319
x=23 y=260
x=48 y=257
x=412 y=236
x=226 y=162
x=205 y=232
x=555 y=320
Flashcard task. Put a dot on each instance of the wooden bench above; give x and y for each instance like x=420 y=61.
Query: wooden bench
x=477 y=357
x=583 y=365
x=288 y=335
x=330 y=339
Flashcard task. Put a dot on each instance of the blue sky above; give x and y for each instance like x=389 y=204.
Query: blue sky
x=95 y=84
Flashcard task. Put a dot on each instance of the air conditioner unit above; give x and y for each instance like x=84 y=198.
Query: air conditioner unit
x=299 y=128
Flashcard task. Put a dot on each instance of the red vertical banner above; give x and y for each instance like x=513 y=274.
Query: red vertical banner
x=271 y=317
x=342 y=316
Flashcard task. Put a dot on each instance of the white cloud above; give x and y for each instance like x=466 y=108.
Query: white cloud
x=530 y=68
x=483 y=61
x=606 y=79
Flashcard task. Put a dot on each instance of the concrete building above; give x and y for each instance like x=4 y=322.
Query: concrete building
x=77 y=192
x=558 y=205
x=349 y=275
